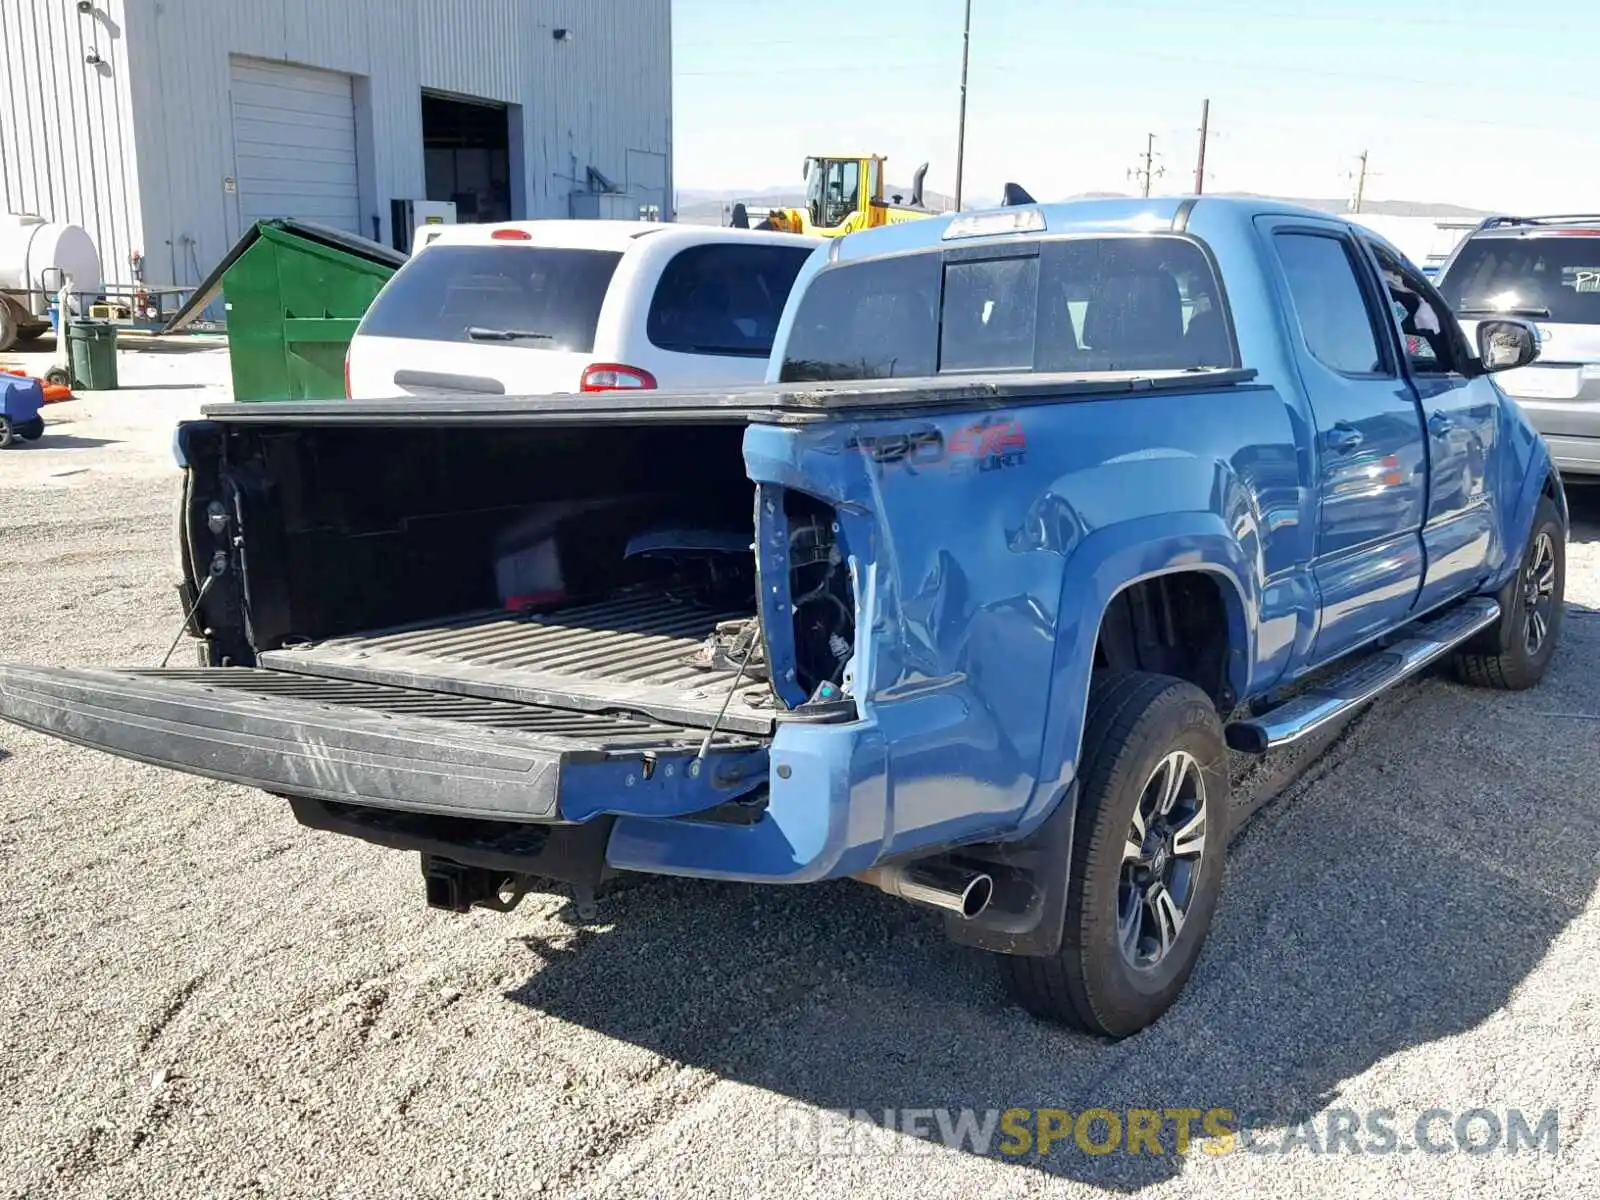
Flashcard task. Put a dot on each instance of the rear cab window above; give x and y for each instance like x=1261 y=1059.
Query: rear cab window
x=1078 y=304
x=1556 y=275
x=723 y=298
x=533 y=297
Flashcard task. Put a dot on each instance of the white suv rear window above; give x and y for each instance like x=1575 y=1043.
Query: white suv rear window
x=538 y=297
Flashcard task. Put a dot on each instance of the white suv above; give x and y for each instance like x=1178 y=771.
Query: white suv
x=538 y=307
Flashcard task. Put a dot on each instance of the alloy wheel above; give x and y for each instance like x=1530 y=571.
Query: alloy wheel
x=1161 y=861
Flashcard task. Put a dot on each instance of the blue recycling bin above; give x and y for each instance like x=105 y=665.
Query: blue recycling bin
x=20 y=402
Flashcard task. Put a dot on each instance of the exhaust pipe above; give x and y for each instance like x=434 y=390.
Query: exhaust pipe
x=937 y=883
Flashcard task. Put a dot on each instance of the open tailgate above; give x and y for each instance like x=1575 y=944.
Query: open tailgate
x=361 y=743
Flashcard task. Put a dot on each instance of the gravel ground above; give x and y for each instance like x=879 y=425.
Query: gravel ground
x=203 y=999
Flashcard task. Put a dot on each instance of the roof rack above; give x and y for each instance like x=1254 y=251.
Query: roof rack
x=1553 y=219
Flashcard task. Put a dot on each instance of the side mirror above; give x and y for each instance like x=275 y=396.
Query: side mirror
x=1505 y=344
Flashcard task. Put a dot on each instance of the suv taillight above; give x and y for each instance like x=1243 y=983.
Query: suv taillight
x=615 y=377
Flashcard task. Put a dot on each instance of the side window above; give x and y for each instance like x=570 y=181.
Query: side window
x=1329 y=302
x=723 y=299
x=1427 y=328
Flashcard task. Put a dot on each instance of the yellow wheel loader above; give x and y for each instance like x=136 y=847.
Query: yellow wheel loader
x=844 y=193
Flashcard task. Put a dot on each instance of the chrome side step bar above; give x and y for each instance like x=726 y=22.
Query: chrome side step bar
x=1425 y=642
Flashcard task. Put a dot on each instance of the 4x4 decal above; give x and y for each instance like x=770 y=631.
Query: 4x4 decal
x=992 y=444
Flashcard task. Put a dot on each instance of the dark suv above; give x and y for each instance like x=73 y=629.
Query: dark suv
x=1546 y=269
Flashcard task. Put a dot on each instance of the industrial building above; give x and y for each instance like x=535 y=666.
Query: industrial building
x=167 y=127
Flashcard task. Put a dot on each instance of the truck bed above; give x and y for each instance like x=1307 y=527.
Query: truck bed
x=622 y=655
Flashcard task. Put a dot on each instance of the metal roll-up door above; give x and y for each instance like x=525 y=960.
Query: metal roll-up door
x=294 y=144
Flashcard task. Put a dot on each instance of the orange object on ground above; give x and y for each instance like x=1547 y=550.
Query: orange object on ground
x=54 y=393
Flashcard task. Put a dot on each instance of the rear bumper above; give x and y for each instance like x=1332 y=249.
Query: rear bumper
x=1571 y=429
x=1575 y=455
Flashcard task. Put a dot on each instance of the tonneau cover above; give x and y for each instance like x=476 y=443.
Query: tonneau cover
x=773 y=403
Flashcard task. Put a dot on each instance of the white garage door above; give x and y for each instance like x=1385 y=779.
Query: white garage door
x=294 y=144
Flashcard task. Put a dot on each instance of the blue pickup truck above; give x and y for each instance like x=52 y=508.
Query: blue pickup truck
x=1043 y=515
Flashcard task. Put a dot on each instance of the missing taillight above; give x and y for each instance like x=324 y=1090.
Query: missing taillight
x=822 y=597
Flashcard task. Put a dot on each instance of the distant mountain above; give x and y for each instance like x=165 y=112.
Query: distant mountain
x=1389 y=208
x=698 y=206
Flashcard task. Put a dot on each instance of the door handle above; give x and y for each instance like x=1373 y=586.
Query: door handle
x=1440 y=424
x=1343 y=438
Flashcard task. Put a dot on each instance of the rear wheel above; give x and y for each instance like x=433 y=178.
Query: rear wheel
x=1516 y=653
x=10 y=326
x=1147 y=858
x=7 y=434
x=31 y=431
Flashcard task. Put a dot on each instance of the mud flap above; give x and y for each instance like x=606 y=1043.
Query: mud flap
x=1029 y=907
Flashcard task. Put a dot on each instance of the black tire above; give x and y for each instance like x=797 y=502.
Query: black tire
x=1509 y=656
x=7 y=434
x=1135 y=725
x=10 y=326
x=31 y=431
x=59 y=376
x=29 y=334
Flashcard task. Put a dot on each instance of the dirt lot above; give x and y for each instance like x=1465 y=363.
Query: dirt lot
x=202 y=999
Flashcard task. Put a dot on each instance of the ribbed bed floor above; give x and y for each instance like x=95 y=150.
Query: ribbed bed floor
x=628 y=655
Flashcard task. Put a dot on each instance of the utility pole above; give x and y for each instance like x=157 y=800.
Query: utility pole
x=1205 y=128
x=1148 y=171
x=961 y=127
x=1361 y=182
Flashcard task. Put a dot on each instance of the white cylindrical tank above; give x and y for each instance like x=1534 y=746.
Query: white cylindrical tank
x=35 y=253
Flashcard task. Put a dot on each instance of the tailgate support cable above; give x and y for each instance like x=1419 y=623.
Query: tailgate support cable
x=187 y=617
x=749 y=653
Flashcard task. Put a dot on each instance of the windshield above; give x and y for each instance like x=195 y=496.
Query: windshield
x=1073 y=304
x=537 y=297
x=1557 y=273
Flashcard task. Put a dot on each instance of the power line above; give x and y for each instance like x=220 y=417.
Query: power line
x=999 y=65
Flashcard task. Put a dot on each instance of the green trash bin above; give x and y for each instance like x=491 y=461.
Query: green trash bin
x=92 y=355
x=295 y=292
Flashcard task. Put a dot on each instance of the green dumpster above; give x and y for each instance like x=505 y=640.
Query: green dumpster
x=295 y=292
x=92 y=355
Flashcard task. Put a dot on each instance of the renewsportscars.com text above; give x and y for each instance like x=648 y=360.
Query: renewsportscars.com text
x=1039 y=1132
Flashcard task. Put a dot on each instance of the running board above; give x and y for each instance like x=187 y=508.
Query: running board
x=1426 y=641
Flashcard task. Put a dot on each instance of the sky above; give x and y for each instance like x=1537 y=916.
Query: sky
x=1488 y=104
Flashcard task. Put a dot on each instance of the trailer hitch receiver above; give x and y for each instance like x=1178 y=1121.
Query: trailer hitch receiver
x=457 y=888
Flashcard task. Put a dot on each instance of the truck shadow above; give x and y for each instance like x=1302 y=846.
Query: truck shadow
x=69 y=441
x=1398 y=894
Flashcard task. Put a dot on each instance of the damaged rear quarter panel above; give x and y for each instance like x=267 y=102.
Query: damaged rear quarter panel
x=988 y=545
